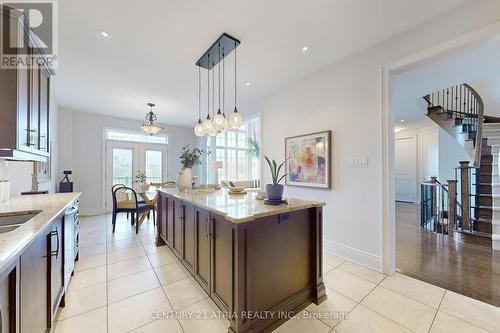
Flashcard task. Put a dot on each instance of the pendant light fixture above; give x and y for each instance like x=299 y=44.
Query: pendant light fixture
x=217 y=122
x=219 y=118
x=213 y=130
x=198 y=129
x=225 y=128
x=207 y=124
x=149 y=125
x=235 y=120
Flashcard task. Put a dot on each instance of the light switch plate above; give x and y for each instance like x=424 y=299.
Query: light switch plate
x=359 y=163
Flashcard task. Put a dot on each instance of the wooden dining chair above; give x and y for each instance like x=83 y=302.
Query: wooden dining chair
x=113 y=189
x=125 y=201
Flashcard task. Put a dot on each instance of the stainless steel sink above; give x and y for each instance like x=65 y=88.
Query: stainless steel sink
x=12 y=221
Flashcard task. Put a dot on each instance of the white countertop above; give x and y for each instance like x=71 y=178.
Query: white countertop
x=240 y=208
x=51 y=205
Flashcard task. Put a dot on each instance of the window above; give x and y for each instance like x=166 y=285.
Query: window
x=233 y=149
x=133 y=136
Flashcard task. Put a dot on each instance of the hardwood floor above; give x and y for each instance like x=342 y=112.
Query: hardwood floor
x=468 y=268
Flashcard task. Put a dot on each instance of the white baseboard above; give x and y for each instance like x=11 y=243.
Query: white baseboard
x=354 y=255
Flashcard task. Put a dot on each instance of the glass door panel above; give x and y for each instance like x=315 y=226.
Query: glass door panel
x=154 y=166
x=122 y=170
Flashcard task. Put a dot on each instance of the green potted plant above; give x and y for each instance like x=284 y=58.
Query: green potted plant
x=274 y=191
x=190 y=157
x=141 y=178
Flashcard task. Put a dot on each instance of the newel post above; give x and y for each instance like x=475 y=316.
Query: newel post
x=452 y=206
x=434 y=202
x=465 y=194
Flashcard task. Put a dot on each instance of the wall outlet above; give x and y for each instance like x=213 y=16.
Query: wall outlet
x=359 y=163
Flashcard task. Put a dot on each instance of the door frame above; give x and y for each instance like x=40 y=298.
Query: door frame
x=413 y=171
x=104 y=140
x=387 y=72
x=133 y=146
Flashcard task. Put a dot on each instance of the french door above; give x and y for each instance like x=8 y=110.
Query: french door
x=125 y=160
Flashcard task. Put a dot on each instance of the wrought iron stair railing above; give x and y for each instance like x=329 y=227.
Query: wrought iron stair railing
x=464 y=104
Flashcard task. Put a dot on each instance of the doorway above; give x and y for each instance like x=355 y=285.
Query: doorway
x=405 y=169
x=125 y=160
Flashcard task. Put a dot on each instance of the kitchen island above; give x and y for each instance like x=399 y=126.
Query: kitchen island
x=260 y=264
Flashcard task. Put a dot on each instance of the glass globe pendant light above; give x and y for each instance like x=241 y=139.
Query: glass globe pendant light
x=219 y=117
x=198 y=128
x=235 y=119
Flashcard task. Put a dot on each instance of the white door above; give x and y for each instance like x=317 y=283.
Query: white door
x=405 y=168
x=124 y=161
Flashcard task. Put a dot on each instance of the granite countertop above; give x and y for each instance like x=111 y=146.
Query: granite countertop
x=240 y=208
x=50 y=206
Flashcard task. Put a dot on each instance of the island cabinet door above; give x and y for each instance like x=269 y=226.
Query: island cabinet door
x=188 y=238
x=170 y=222
x=202 y=243
x=222 y=236
x=178 y=224
x=162 y=216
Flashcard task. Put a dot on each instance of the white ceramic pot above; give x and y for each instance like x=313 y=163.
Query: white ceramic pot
x=183 y=179
x=144 y=187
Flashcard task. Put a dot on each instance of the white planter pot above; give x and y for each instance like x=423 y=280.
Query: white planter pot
x=144 y=187
x=183 y=179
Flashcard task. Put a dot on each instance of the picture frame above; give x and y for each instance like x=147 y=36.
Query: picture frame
x=308 y=161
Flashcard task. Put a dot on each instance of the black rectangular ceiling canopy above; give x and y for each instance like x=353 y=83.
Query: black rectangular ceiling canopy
x=227 y=45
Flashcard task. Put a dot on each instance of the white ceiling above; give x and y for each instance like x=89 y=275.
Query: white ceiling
x=155 y=44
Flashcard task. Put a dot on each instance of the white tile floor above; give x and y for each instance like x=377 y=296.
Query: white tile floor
x=122 y=279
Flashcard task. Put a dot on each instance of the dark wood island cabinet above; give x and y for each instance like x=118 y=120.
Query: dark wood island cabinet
x=260 y=264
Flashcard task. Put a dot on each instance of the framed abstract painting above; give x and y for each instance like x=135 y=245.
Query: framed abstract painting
x=308 y=160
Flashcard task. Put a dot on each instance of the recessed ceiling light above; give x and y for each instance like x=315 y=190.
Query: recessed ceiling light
x=248 y=84
x=104 y=33
x=402 y=120
x=305 y=48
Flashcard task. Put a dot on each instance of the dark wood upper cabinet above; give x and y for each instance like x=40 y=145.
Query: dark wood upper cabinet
x=24 y=100
x=44 y=117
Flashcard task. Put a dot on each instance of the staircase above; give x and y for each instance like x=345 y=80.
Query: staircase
x=474 y=202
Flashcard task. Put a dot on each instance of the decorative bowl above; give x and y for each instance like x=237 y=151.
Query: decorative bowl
x=236 y=189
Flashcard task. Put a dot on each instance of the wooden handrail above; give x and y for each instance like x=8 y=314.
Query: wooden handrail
x=479 y=130
x=463 y=102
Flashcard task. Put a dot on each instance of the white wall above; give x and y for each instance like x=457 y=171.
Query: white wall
x=450 y=154
x=81 y=150
x=347 y=98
